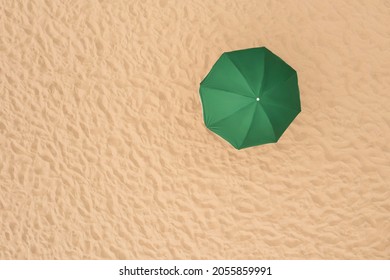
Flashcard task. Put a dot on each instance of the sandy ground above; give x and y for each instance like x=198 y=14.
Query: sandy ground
x=104 y=154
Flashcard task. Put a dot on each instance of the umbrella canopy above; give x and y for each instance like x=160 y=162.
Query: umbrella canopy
x=250 y=97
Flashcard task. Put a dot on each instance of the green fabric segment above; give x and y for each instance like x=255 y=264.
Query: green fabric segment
x=219 y=104
x=280 y=117
x=276 y=71
x=285 y=93
x=261 y=130
x=247 y=62
x=250 y=97
x=238 y=123
x=225 y=76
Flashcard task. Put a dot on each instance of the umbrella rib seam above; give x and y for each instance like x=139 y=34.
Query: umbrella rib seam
x=249 y=128
x=272 y=126
x=282 y=106
x=205 y=86
x=263 y=78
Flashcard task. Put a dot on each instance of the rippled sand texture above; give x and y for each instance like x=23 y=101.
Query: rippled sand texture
x=104 y=154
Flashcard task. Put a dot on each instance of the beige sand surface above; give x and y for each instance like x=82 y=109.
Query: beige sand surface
x=104 y=154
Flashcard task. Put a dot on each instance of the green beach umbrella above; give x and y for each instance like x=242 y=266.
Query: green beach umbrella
x=250 y=97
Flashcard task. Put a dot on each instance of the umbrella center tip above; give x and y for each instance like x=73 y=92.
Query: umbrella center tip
x=258 y=99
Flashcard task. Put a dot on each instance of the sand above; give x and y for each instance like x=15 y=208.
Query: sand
x=104 y=154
